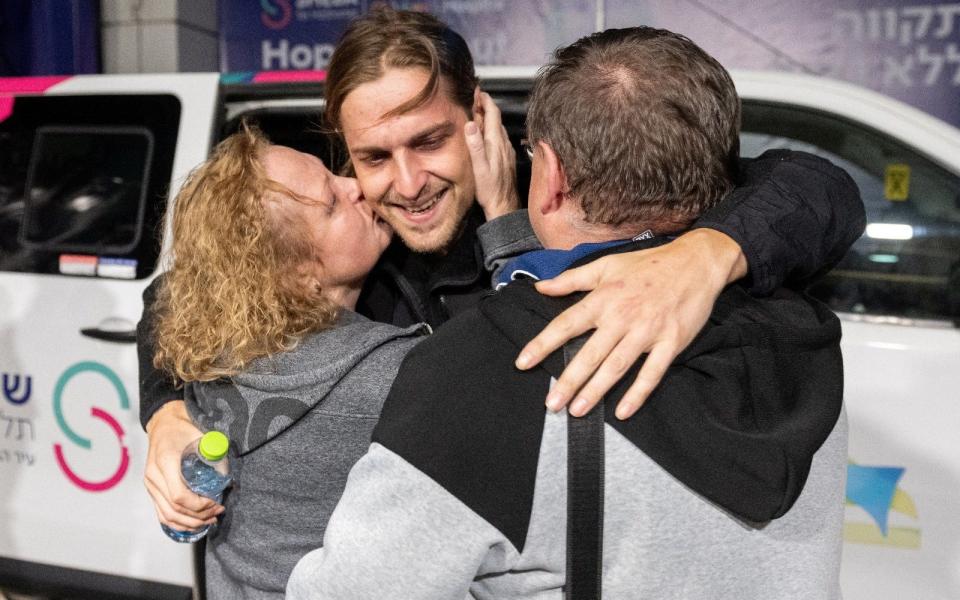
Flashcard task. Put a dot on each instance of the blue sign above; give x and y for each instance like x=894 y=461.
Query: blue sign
x=281 y=35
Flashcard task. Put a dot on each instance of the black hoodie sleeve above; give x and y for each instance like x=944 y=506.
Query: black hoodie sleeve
x=156 y=387
x=794 y=215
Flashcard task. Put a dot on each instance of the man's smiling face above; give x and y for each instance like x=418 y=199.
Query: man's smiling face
x=414 y=168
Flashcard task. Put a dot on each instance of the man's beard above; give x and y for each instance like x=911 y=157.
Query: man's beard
x=442 y=235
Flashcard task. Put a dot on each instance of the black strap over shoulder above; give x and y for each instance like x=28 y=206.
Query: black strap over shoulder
x=584 y=497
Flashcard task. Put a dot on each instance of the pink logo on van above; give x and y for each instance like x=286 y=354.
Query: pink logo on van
x=96 y=413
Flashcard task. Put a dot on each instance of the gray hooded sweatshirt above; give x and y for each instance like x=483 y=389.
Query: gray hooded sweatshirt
x=297 y=422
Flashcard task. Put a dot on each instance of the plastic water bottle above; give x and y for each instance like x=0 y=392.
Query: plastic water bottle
x=205 y=470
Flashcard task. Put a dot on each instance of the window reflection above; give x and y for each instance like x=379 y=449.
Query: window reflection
x=85 y=189
x=907 y=263
x=85 y=178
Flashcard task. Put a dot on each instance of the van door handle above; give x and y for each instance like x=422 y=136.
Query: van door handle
x=112 y=329
x=121 y=337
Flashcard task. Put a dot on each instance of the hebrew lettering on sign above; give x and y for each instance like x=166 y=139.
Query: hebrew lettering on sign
x=9 y=425
x=953 y=58
x=924 y=66
x=916 y=23
x=948 y=14
x=903 y=26
x=897 y=71
x=13 y=391
x=25 y=425
x=17 y=428
x=933 y=61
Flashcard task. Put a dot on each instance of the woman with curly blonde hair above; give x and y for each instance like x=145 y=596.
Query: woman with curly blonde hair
x=255 y=318
x=240 y=286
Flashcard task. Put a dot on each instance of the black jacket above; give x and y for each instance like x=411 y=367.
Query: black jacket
x=406 y=287
x=737 y=417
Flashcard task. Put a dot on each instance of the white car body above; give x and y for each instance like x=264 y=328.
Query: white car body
x=902 y=380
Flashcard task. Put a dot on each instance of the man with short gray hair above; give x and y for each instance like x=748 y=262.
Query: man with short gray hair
x=727 y=483
x=643 y=144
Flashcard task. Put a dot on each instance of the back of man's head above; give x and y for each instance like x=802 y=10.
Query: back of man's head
x=645 y=125
x=386 y=38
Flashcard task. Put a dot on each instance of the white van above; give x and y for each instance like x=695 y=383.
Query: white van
x=86 y=166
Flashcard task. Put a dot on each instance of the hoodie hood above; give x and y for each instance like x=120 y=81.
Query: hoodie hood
x=760 y=387
x=275 y=391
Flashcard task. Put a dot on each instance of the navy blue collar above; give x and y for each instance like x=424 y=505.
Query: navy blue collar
x=547 y=264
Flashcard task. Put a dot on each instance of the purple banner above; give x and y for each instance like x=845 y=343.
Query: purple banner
x=907 y=50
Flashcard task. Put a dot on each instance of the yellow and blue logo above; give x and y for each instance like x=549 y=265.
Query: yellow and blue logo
x=876 y=490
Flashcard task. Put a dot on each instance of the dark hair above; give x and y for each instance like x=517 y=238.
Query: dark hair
x=644 y=122
x=387 y=38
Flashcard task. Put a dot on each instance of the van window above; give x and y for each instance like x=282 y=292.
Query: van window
x=907 y=264
x=84 y=189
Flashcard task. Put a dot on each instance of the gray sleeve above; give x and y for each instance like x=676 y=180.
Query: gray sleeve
x=504 y=238
x=396 y=533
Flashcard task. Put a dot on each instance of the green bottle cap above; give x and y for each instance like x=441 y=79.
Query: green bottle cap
x=214 y=445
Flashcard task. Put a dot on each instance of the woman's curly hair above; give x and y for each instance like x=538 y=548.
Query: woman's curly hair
x=238 y=288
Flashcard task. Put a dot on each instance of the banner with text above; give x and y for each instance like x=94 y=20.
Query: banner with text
x=300 y=34
x=906 y=49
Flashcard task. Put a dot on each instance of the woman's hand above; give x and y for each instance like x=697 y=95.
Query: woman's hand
x=169 y=431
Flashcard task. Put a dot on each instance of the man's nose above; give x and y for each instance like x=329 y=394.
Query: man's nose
x=409 y=177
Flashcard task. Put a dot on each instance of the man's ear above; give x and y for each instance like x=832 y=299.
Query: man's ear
x=556 y=179
x=477 y=108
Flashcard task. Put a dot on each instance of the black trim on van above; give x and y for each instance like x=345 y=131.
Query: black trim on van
x=60 y=582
